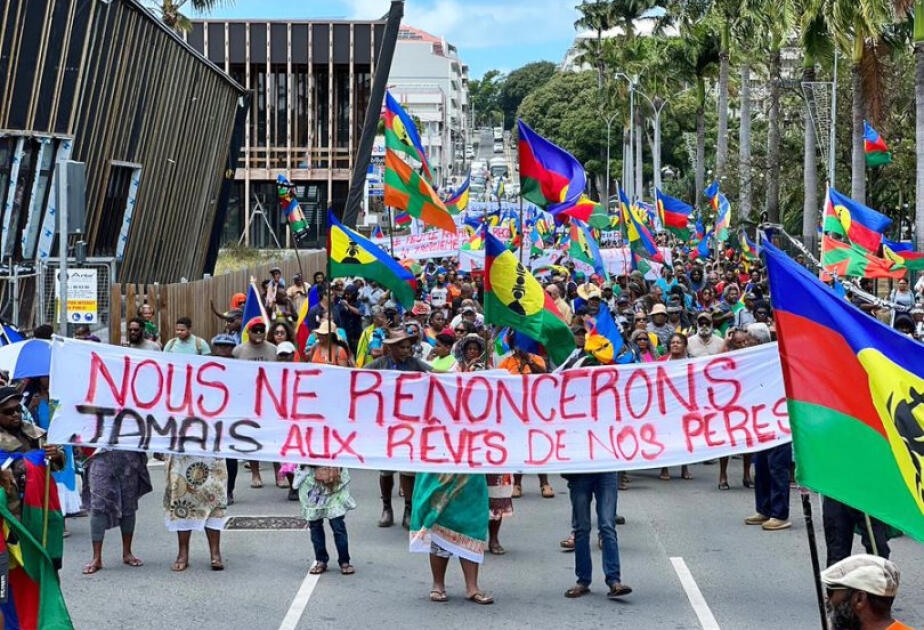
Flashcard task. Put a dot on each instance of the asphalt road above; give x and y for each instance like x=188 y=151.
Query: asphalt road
x=747 y=578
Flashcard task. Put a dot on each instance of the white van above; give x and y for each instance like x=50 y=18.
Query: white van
x=498 y=133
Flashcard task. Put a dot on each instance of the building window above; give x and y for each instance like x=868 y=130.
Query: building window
x=302 y=103
x=279 y=109
x=361 y=88
x=258 y=113
x=342 y=104
x=321 y=93
x=114 y=205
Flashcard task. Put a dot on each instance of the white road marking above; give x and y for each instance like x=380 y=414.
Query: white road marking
x=290 y=622
x=697 y=601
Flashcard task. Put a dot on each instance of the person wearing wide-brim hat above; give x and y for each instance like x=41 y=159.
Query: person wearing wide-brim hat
x=588 y=291
x=327 y=348
x=659 y=325
x=470 y=353
x=399 y=355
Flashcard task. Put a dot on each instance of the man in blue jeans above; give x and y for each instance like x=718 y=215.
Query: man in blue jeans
x=771 y=488
x=583 y=488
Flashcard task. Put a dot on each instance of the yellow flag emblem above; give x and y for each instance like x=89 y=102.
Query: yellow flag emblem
x=344 y=250
x=843 y=215
x=515 y=287
x=898 y=396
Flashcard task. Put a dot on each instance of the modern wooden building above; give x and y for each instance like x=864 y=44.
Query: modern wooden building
x=310 y=83
x=104 y=82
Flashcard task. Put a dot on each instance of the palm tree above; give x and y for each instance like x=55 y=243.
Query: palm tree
x=919 y=122
x=816 y=46
x=857 y=26
x=169 y=11
x=780 y=20
x=694 y=56
x=597 y=16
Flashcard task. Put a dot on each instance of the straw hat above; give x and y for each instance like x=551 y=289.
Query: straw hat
x=588 y=291
x=658 y=309
x=325 y=328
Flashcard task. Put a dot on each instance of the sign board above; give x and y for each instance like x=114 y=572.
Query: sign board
x=82 y=295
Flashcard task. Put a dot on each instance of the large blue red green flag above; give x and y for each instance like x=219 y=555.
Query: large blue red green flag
x=352 y=255
x=854 y=389
x=863 y=226
x=551 y=177
x=513 y=297
x=712 y=194
x=34 y=598
x=722 y=219
x=674 y=214
x=407 y=190
x=458 y=201
x=640 y=240
x=401 y=134
x=874 y=147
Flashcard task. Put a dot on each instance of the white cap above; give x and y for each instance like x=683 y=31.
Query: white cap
x=286 y=347
x=863 y=572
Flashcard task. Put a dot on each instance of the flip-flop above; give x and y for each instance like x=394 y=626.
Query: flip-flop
x=178 y=566
x=438 y=596
x=217 y=565
x=497 y=549
x=480 y=598
x=91 y=568
x=133 y=562
x=723 y=485
x=317 y=568
x=347 y=569
x=256 y=483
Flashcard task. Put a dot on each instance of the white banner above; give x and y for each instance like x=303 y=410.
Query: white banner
x=432 y=244
x=583 y=420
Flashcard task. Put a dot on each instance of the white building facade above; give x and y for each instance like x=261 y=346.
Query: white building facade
x=431 y=83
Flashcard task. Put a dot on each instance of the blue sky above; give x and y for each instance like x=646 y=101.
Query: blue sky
x=501 y=34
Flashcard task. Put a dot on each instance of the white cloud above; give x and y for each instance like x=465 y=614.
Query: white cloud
x=482 y=23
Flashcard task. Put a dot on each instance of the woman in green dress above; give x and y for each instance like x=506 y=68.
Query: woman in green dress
x=450 y=517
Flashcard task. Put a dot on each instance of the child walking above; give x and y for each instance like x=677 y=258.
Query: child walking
x=324 y=493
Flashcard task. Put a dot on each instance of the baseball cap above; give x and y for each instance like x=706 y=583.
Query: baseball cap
x=863 y=572
x=223 y=340
x=703 y=315
x=233 y=314
x=286 y=347
x=256 y=321
x=9 y=393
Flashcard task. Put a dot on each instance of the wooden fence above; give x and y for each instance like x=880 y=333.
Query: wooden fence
x=195 y=299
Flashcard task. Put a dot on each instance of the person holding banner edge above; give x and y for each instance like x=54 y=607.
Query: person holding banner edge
x=399 y=348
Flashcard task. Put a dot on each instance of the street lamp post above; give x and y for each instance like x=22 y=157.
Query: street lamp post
x=609 y=122
x=657 y=106
x=628 y=160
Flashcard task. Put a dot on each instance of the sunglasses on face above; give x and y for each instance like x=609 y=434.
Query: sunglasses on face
x=258 y=331
x=12 y=411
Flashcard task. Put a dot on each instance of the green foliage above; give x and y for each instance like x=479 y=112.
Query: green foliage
x=484 y=95
x=520 y=83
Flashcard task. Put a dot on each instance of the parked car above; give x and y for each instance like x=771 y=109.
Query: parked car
x=498 y=146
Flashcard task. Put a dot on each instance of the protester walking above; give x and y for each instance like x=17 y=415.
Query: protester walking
x=324 y=493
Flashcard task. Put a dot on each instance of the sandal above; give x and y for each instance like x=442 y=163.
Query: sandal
x=665 y=476
x=723 y=485
x=438 y=596
x=347 y=569
x=617 y=590
x=179 y=565
x=256 y=483
x=132 y=561
x=568 y=543
x=547 y=491
x=497 y=549
x=317 y=568
x=480 y=598
x=578 y=590
x=687 y=475
x=91 y=568
x=217 y=565
x=517 y=491
x=624 y=482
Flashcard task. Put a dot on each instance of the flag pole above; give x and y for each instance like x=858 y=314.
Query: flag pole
x=330 y=299
x=391 y=232
x=47 y=499
x=522 y=231
x=813 y=551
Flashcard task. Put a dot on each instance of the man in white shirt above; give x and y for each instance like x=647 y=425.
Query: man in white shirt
x=705 y=342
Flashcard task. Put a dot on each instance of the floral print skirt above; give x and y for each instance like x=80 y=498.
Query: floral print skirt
x=196 y=494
